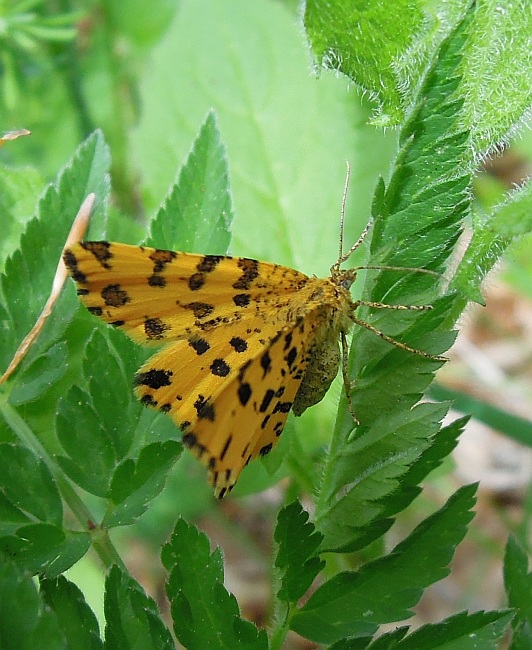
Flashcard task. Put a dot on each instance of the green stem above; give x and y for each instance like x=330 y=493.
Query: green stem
x=281 y=630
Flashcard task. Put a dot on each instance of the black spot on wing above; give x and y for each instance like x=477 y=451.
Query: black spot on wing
x=220 y=368
x=71 y=262
x=266 y=363
x=148 y=400
x=156 y=280
x=241 y=299
x=210 y=262
x=199 y=345
x=266 y=400
x=266 y=449
x=155 y=329
x=114 y=296
x=282 y=407
x=154 y=378
x=100 y=250
x=161 y=258
x=189 y=439
x=204 y=409
x=199 y=309
x=291 y=357
x=196 y=281
x=244 y=393
x=238 y=344
x=250 y=270
x=226 y=446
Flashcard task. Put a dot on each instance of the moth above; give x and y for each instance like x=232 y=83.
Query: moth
x=243 y=342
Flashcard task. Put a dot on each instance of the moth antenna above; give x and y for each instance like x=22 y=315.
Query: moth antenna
x=342 y=257
x=342 y=212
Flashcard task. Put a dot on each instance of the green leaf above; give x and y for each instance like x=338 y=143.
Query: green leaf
x=205 y=615
x=89 y=424
x=45 y=549
x=147 y=31
x=518 y=584
x=492 y=235
x=444 y=443
x=136 y=482
x=284 y=210
x=497 y=71
x=82 y=435
x=28 y=486
x=371 y=466
x=382 y=591
x=132 y=618
x=76 y=620
x=418 y=218
x=40 y=374
x=383 y=47
x=366 y=42
x=359 y=643
x=24 y=624
x=19 y=189
x=197 y=214
x=27 y=280
x=440 y=449
x=297 y=558
x=477 y=631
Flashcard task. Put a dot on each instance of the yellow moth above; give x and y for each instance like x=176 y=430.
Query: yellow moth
x=244 y=342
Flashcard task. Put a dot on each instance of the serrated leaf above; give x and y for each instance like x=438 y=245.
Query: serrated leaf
x=205 y=615
x=419 y=219
x=89 y=424
x=81 y=434
x=370 y=467
x=382 y=47
x=197 y=214
x=358 y=643
x=27 y=484
x=366 y=42
x=40 y=375
x=492 y=234
x=136 y=482
x=76 y=619
x=297 y=554
x=44 y=548
x=477 y=631
x=382 y=591
x=109 y=367
x=132 y=618
x=444 y=443
x=24 y=624
x=27 y=279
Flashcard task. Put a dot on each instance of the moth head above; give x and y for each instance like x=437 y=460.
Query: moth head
x=344 y=278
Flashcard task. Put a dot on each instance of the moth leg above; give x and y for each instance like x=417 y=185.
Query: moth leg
x=345 y=376
x=397 y=344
